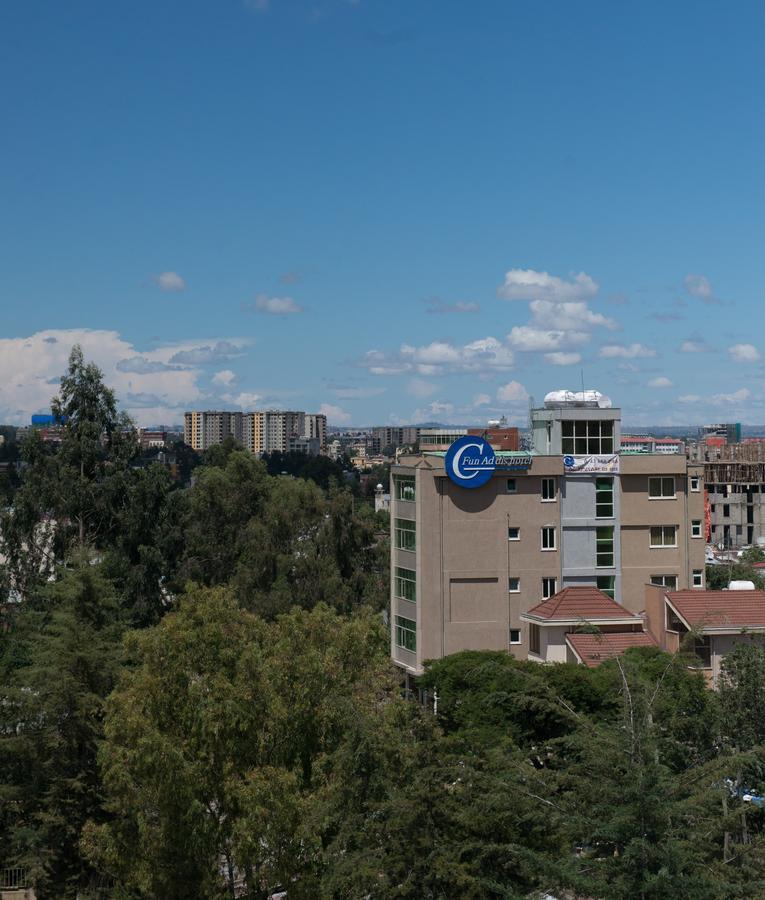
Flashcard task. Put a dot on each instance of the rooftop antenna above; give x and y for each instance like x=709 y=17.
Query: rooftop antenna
x=582 y=371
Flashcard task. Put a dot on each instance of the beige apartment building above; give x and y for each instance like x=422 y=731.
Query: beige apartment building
x=203 y=429
x=466 y=564
x=259 y=432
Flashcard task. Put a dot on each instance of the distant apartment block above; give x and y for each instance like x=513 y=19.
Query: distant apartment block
x=393 y=436
x=500 y=437
x=265 y=431
x=644 y=443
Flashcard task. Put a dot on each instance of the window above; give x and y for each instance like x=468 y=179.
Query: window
x=604 y=547
x=695 y=483
x=663 y=535
x=548 y=587
x=405 y=534
x=698 y=578
x=606 y=583
x=667 y=581
x=513 y=534
x=513 y=585
x=548 y=538
x=661 y=488
x=406 y=584
x=726 y=510
x=534 y=641
x=512 y=487
x=674 y=622
x=515 y=635
x=604 y=498
x=549 y=490
x=696 y=528
x=404 y=487
x=406 y=633
x=702 y=649
x=586 y=437
x=712 y=507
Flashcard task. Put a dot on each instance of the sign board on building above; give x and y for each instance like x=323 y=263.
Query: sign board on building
x=471 y=461
x=606 y=464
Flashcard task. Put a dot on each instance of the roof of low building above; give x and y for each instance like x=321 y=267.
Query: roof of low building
x=580 y=603
x=593 y=649
x=720 y=609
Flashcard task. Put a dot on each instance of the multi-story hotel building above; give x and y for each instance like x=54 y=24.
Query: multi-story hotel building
x=466 y=564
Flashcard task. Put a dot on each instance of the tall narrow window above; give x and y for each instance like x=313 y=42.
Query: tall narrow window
x=549 y=490
x=406 y=538
x=604 y=498
x=534 y=642
x=406 y=584
x=515 y=635
x=406 y=633
x=405 y=489
x=604 y=547
x=511 y=486
x=698 y=578
x=548 y=538
x=695 y=483
x=696 y=528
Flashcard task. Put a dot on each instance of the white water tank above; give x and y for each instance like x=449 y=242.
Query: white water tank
x=741 y=586
x=592 y=399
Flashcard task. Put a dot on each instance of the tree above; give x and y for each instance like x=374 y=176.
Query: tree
x=51 y=707
x=741 y=688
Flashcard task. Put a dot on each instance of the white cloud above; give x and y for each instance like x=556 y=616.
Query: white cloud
x=220 y=351
x=660 y=381
x=738 y=396
x=481 y=400
x=417 y=387
x=31 y=366
x=744 y=353
x=433 y=411
x=440 y=358
x=694 y=347
x=527 y=338
x=528 y=284
x=225 y=377
x=568 y=316
x=276 y=306
x=513 y=393
x=335 y=415
x=246 y=400
x=358 y=392
x=563 y=359
x=170 y=282
x=689 y=398
x=699 y=286
x=631 y=351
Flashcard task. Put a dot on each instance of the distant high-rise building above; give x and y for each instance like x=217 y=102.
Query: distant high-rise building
x=203 y=429
x=316 y=427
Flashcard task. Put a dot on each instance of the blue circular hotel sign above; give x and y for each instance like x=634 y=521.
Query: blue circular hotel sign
x=470 y=461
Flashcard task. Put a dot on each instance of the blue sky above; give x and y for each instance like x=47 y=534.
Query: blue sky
x=392 y=210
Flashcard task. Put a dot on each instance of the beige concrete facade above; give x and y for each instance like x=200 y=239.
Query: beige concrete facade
x=474 y=577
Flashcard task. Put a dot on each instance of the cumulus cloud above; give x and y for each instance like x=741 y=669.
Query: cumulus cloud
x=744 y=353
x=433 y=411
x=276 y=306
x=694 y=346
x=246 y=400
x=219 y=352
x=689 y=398
x=436 y=306
x=660 y=381
x=441 y=357
x=528 y=284
x=513 y=393
x=527 y=338
x=171 y=282
x=622 y=351
x=151 y=390
x=732 y=399
x=699 y=286
x=335 y=415
x=225 y=377
x=481 y=400
x=563 y=359
x=569 y=315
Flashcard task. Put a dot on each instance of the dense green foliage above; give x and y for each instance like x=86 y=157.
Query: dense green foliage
x=196 y=702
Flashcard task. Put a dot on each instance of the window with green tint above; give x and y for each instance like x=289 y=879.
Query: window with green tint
x=406 y=534
x=604 y=547
x=606 y=583
x=604 y=498
x=406 y=633
x=406 y=584
x=404 y=487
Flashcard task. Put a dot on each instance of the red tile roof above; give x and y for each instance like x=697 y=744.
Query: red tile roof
x=593 y=649
x=720 y=609
x=580 y=602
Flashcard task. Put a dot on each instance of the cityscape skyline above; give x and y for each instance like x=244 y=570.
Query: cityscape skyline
x=382 y=213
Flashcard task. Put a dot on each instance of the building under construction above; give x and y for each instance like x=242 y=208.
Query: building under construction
x=735 y=488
